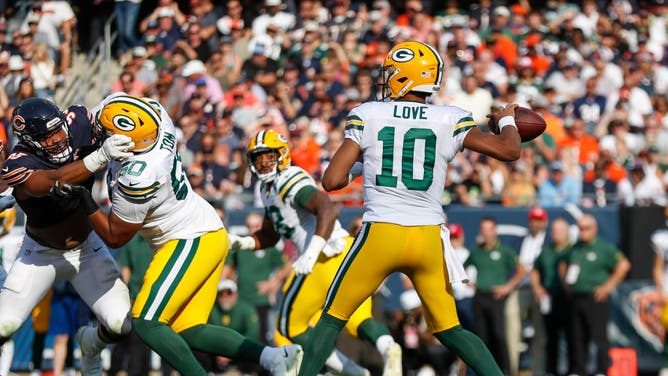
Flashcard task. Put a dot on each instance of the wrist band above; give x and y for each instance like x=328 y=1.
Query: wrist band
x=505 y=121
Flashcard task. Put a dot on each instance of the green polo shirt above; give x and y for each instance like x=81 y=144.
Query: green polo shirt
x=253 y=267
x=492 y=265
x=242 y=317
x=547 y=264
x=137 y=256
x=596 y=259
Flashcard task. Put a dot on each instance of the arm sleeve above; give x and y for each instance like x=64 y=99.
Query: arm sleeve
x=354 y=126
x=292 y=184
x=463 y=126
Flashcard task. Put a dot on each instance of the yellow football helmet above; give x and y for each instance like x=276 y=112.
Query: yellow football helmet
x=411 y=66
x=268 y=140
x=7 y=219
x=131 y=116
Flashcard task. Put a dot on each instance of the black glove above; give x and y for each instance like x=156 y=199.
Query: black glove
x=66 y=191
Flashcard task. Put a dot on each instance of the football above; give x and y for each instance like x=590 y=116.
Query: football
x=529 y=124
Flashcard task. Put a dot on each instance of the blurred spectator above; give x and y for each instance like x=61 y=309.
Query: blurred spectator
x=551 y=295
x=519 y=191
x=232 y=18
x=165 y=8
x=475 y=99
x=43 y=72
x=143 y=69
x=225 y=64
x=589 y=107
x=127 y=14
x=195 y=72
x=273 y=14
x=593 y=269
x=530 y=315
x=492 y=260
x=305 y=151
x=582 y=145
x=559 y=189
x=195 y=46
x=129 y=84
x=57 y=20
x=14 y=73
x=642 y=189
x=205 y=15
x=259 y=68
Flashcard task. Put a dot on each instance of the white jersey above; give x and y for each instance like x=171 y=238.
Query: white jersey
x=152 y=188
x=659 y=241
x=406 y=147
x=290 y=219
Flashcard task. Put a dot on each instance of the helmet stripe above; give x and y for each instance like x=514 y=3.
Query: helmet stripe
x=150 y=111
x=259 y=139
x=440 y=64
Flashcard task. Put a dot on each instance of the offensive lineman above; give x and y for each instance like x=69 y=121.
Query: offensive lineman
x=296 y=210
x=405 y=145
x=58 y=241
x=150 y=194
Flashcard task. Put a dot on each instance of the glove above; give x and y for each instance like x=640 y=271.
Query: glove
x=115 y=147
x=333 y=248
x=6 y=202
x=305 y=263
x=61 y=191
x=241 y=243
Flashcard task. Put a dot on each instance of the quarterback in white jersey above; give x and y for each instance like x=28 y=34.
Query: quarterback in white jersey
x=404 y=145
x=151 y=195
x=298 y=211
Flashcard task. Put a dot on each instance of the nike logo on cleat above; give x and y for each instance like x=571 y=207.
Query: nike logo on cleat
x=285 y=352
x=97 y=249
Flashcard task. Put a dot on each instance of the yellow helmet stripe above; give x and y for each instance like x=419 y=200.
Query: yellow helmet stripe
x=150 y=111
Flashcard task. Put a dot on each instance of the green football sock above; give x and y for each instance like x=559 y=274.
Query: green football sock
x=471 y=348
x=371 y=329
x=320 y=344
x=303 y=338
x=219 y=340
x=169 y=345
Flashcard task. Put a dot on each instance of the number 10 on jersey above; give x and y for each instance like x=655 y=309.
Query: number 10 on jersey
x=387 y=137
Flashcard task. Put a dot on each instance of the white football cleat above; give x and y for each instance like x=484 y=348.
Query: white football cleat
x=284 y=360
x=392 y=361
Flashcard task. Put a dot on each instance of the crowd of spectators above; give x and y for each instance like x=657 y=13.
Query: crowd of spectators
x=596 y=70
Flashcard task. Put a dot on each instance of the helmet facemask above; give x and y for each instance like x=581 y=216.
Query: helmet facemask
x=268 y=164
x=54 y=145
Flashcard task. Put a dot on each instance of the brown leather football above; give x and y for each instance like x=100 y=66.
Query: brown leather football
x=529 y=123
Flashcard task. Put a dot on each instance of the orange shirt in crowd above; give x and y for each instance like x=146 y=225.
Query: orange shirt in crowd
x=307 y=156
x=587 y=147
x=554 y=126
x=613 y=172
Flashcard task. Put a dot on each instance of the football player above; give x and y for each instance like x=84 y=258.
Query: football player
x=150 y=194
x=297 y=211
x=59 y=243
x=405 y=145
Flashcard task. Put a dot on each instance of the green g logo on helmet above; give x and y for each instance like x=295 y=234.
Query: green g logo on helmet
x=403 y=55
x=124 y=123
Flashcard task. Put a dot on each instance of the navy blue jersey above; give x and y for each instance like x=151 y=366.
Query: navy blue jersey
x=21 y=163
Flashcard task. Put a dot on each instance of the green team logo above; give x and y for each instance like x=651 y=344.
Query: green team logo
x=124 y=123
x=403 y=55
